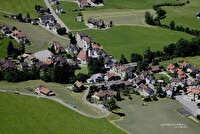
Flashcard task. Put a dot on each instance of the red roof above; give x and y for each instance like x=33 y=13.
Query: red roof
x=171 y=67
x=180 y=72
x=185 y=63
x=96 y=46
x=82 y=55
x=43 y=89
x=110 y=75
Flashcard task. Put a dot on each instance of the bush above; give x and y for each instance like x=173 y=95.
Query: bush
x=62 y=31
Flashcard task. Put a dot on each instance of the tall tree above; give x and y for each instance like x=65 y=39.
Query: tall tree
x=96 y=65
x=136 y=57
x=123 y=60
x=172 y=25
x=10 y=48
x=28 y=15
x=149 y=55
x=118 y=96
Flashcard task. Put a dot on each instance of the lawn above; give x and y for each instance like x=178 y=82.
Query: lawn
x=119 y=16
x=194 y=61
x=162 y=76
x=4 y=45
x=69 y=16
x=21 y=6
x=38 y=36
x=60 y=90
x=131 y=39
x=25 y=114
x=185 y=15
x=83 y=70
x=157 y=117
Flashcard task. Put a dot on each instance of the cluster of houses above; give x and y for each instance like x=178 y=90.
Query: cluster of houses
x=100 y=24
x=24 y=19
x=89 y=3
x=19 y=36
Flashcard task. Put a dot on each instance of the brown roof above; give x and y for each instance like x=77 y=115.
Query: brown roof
x=185 y=63
x=43 y=89
x=82 y=55
x=78 y=84
x=194 y=90
x=7 y=65
x=155 y=68
x=104 y=93
x=180 y=72
x=96 y=46
x=110 y=75
x=171 y=67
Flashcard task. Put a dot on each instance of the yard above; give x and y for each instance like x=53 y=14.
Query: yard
x=69 y=16
x=132 y=39
x=38 y=36
x=157 y=117
x=83 y=70
x=21 y=6
x=162 y=76
x=185 y=15
x=60 y=90
x=194 y=61
x=25 y=114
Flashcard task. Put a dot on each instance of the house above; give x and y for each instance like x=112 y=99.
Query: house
x=44 y=19
x=6 y=30
x=195 y=90
x=84 y=41
x=79 y=85
x=27 y=19
x=97 y=23
x=49 y=25
x=56 y=27
x=103 y=94
x=58 y=48
x=175 y=82
x=41 y=65
x=193 y=69
x=34 y=22
x=79 y=18
x=72 y=49
x=95 y=78
x=168 y=90
x=171 y=68
x=29 y=58
x=7 y=65
x=111 y=76
x=24 y=65
x=185 y=64
x=59 y=9
x=12 y=16
x=155 y=69
x=181 y=74
x=83 y=4
x=82 y=56
x=43 y=90
x=146 y=91
x=53 y=1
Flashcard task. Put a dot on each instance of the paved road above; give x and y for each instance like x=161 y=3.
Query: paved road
x=55 y=15
x=56 y=100
x=103 y=110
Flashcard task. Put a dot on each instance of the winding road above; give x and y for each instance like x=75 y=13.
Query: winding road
x=104 y=111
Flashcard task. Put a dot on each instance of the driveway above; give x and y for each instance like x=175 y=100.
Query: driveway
x=43 y=55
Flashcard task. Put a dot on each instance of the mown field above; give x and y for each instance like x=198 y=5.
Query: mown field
x=69 y=16
x=25 y=114
x=21 y=6
x=38 y=36
x=131 y=39
x=185 y=15
x=155 y=117
x=194 y=61
x=60 y=90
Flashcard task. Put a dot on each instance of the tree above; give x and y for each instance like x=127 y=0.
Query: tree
x=136 y=57
x=61 y=31
x=96 y=65
x=118 y=96
x=19 y=17
x=172 y=25
x=149 y=55
x=28 y=15
x=82 y=77
x=10 y=48
x=123 y=60
x=149 y=18
x=111 y=23
x=110 y=104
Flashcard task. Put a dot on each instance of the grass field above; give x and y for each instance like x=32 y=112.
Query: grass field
x=185 y=15
x=119 y=16
x=69 y=16
x=160 y=76
x=24 y=114
x=60 y=90
x=39 y=37
x=194 y=61
x=83 y=70
x=4 y=45
x=21 y=6
x=131 y=39
x=152 y=119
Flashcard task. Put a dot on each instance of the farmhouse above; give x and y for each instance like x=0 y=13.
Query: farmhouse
x=58 y=48
x=7 y=65
x=103 y=94
x=82 y=57
x=97 y=23
x=43 y=90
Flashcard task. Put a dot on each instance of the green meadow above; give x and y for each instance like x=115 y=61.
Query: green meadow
x=155 y=118
x=184 y=16
x=25 y=114
x=21 y=6
x=132 y=39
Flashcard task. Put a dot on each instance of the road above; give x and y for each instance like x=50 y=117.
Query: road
x=61 y=102
x=103 y=110
x=55 y=15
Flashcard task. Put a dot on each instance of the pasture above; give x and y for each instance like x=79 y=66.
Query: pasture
x=21 y=6
x=157 y=117
x=184 y=16
x=25 y=114
x=132 y=39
